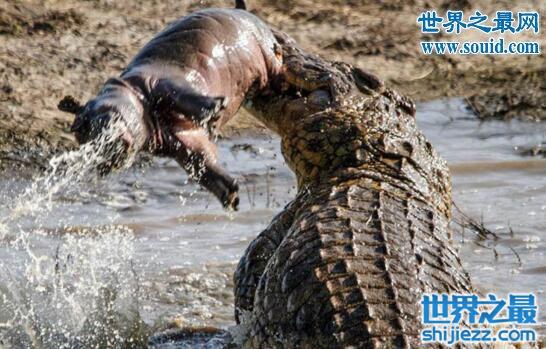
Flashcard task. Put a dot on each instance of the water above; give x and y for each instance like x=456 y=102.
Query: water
x=150 y=251
x=80 y=292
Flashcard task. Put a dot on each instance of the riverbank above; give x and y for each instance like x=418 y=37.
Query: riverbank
x=71 y=47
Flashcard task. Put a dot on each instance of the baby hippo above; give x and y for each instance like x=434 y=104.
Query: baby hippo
x=186 y=82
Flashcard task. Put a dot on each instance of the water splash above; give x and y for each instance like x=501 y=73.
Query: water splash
x=85 y=295
x=85 y=292
x=67 y=170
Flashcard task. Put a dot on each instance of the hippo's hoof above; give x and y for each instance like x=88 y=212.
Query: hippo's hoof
x=230 y=201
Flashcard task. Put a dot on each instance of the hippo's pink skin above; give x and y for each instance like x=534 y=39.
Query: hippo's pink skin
x=190 y=78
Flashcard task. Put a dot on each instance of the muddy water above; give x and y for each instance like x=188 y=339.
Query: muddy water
x=166 y=250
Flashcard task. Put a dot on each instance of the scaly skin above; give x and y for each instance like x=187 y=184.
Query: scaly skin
x=346 y=263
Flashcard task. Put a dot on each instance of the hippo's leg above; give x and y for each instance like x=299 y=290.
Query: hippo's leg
x=201 y=109
x=195 y=152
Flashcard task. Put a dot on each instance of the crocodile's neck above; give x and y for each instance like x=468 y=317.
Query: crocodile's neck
x=370 y=137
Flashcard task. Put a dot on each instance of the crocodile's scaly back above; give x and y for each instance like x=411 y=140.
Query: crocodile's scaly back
x=351 y=271
x=347 y=262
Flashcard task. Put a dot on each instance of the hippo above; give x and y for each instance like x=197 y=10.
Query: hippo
x=188 y=81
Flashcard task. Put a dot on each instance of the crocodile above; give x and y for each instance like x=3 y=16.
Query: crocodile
x=346 y=263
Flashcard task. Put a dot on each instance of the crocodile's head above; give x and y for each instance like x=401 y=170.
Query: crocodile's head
x=311 y=124
x=307 y=105
x=375 y=134
x=339 y=122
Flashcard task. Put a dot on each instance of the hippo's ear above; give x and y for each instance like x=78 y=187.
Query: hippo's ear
x=197 y=107
x=70 y=105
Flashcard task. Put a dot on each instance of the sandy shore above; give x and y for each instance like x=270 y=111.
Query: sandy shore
x=52 y=48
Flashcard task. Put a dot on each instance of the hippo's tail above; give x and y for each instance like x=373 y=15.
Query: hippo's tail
x=240 y=4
